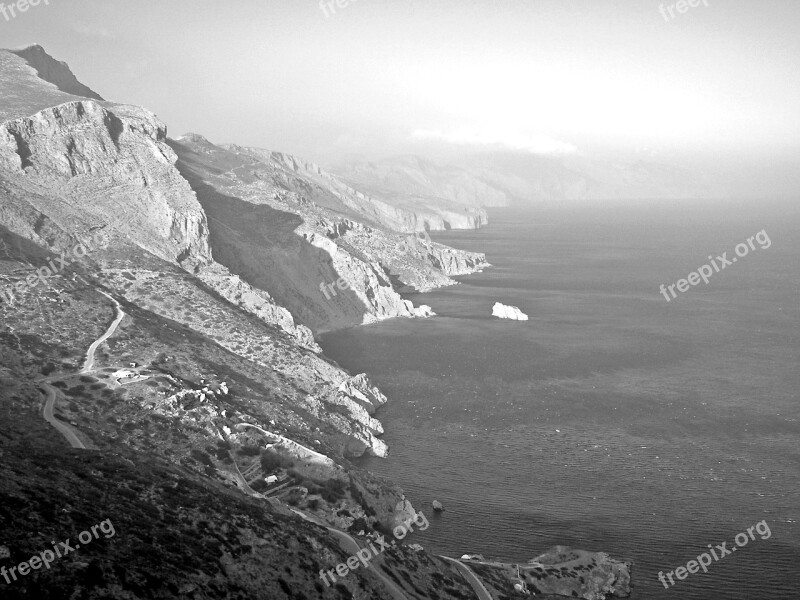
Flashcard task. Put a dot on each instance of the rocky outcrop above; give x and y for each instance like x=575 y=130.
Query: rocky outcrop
x=360 y=389
x=508 y=312
x=84 y=166
x=603 y=577
x=424 y=311
x=561 y=571
x=360 y=398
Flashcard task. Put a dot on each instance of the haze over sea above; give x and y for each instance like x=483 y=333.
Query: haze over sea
x=612 y=420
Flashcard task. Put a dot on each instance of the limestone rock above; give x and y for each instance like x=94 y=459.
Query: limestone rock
x=508 y=312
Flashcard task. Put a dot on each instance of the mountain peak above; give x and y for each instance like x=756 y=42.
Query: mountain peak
x=194 y=138
x=54 y=71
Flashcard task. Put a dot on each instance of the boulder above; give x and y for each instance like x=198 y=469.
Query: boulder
x=508 y=312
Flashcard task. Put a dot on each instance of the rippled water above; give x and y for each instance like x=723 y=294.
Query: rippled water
x=612 y=420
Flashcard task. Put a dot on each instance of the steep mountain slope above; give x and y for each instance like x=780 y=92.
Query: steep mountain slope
x=25 y=91
x=205 y=391
x=283 y=231
x=56 y=72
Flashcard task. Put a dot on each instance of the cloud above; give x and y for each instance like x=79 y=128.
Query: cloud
x=535 y=144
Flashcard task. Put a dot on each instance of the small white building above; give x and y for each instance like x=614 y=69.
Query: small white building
x=270 y=479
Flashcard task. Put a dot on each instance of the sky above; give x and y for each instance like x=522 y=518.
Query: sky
x=717 y=86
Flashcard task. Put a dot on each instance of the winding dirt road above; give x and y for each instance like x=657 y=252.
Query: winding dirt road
x=88 y=365
x=54 y=394
x=349 y=544
x=63 y=428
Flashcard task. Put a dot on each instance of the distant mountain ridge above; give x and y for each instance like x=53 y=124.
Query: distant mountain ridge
x=522 y=179
x=415 y=177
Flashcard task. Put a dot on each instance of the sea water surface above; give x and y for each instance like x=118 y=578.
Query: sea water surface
x=612 y=420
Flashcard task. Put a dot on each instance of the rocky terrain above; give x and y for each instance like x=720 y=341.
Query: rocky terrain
x=178 y=357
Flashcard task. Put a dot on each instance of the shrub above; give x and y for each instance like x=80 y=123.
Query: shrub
x=249 y=451
x=272 y=461
x=333 y=490
x=259 y=485
x=202 y=457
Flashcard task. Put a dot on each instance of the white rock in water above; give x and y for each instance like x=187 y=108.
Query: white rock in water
x=424 y=311
x=508 y=312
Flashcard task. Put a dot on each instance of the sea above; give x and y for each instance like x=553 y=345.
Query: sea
x=612 y=420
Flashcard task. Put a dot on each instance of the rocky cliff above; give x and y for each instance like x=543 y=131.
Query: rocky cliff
x=203 y=383
x=86 y=167
x=297 y=233
x=258 y=235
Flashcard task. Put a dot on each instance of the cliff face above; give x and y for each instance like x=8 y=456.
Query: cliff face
x=88 y=167
x=82 y=167
x=209 y=256
x=298 y=232
x=247 y=232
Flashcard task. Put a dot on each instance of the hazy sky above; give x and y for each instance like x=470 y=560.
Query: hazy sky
x=379 y=77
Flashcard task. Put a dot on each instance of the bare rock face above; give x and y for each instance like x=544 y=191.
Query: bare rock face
x=360 y=389
x=257 y=302
x=358 y=396
x=110 y=169
x=319 y=248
